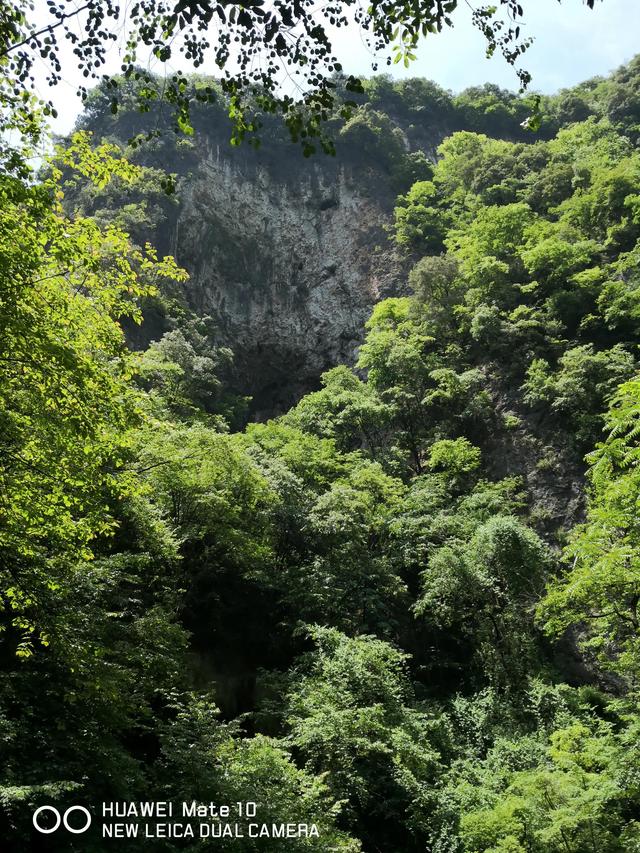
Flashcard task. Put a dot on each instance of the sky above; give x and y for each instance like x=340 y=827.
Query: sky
x=572 y=43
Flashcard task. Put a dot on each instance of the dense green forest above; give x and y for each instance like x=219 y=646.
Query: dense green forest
x=355 y=614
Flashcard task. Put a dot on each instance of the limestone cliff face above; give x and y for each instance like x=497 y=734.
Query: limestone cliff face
x=288 y=261
x=287 y=254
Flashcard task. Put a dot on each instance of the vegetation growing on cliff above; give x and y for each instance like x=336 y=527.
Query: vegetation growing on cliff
x=371 y=613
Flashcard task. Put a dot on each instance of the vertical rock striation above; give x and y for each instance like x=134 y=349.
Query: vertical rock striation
x=287 y=262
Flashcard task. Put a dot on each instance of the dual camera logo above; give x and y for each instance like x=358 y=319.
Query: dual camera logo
x=41 y=823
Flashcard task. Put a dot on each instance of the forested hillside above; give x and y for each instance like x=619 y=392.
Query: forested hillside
x=406 y=610
x=288 y=255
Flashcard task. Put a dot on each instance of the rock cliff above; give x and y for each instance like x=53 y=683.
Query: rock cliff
x=288 y=265
x=287 y=255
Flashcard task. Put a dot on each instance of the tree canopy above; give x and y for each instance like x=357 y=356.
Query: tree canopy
x=404 y=610
x=248 y=44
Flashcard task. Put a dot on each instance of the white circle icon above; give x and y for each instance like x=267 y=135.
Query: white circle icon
x=84 y=811
x=39 y=811
x=64 y=819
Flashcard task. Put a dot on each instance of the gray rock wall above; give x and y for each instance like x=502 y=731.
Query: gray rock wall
x=289 y=264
